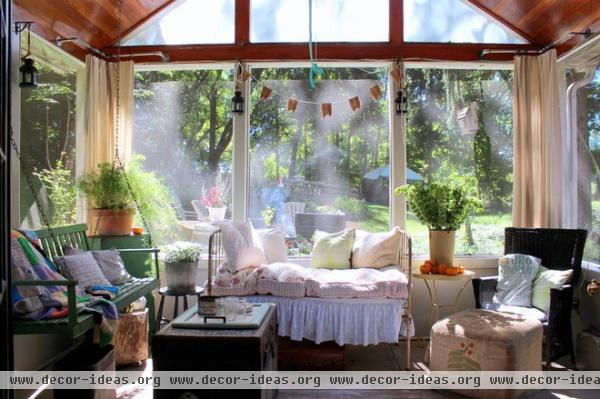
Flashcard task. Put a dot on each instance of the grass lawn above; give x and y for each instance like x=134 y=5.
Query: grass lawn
x=488 y=231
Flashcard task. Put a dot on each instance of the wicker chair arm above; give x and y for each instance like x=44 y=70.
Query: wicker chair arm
x=561 y=300
x=484 y=289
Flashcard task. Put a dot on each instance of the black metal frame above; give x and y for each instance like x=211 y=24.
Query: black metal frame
x=6 y=334
x=559 y=249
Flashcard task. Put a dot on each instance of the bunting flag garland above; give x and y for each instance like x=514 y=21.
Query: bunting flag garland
x=245 y=75
x=375 y=92
x=354 y=103
x=326 y=109
x=265 y=93
x=292 y=104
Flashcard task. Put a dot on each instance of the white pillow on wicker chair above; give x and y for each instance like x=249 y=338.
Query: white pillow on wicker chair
x=241 y=250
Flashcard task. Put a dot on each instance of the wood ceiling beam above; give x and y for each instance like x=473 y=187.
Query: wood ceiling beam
x=142 y=21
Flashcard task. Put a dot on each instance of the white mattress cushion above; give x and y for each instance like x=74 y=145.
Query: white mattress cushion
x=281 y=279
x=356 y=283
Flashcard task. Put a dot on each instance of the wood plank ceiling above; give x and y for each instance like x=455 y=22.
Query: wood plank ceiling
x=97 y=23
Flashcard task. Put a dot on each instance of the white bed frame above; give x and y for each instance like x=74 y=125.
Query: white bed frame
x=216 y=255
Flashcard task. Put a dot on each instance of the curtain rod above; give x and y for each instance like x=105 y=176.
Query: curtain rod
x=59 y=42
x=587 y=34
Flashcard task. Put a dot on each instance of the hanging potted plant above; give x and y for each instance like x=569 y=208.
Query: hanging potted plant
x=443 y=209
x=112 y=209
x=181 y=265
x=215 y=200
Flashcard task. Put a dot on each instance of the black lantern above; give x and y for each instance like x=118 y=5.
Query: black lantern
x=401 y=102
x=29 y=73
x=237 y=103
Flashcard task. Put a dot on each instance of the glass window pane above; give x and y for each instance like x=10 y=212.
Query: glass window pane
x=47 y=144
x=588 y=161
x=333 y=21
x=308 y=172
x=456 y=21
x=188 y=22
x=479 y=159
x=182 y=130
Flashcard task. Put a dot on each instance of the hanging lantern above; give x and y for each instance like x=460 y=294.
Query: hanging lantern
x=237 y=103
x=401 y=103
x=28 y=72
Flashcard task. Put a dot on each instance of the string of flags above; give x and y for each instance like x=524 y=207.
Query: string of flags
x=354 y=102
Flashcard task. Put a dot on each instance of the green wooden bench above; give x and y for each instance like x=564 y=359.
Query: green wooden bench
x=75 y=325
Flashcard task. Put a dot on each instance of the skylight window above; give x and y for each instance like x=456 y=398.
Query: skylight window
x=188 y=22
x=455 y=21
x=275 y=21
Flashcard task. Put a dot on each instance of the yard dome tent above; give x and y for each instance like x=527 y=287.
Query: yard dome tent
x=384 y=173
x=375 y=184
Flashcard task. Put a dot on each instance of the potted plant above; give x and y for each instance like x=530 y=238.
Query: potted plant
x=181 y=265
x=216 y=199
x=112 y=209
x=443 y=209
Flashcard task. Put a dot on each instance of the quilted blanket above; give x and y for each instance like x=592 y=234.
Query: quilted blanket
x=49 y=302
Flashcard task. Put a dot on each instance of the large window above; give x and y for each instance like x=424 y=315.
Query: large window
x=459 y=130
x=47 y=141
x=334 y=168
x=183 y=132
x=588 y=161
x=333 y=21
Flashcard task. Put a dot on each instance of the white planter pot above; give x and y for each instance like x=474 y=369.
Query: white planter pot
x=181 y=276
x=216 y=214
x=441 y=246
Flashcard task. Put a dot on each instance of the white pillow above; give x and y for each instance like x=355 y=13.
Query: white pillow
x=544 y=281
x=515 y=277
x=241 y=251
x=376 y=250
x=272 y=242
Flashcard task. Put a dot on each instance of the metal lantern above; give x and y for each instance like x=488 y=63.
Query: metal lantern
x=401 y=102
x=237 y=103
x=29 y=73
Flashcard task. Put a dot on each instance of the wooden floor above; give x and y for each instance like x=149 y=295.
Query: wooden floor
x=382 y=357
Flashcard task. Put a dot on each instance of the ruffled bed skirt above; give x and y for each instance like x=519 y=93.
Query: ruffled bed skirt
x=345 y=321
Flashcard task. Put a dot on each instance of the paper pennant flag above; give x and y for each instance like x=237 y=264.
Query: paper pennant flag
x=265 y=93
x=292 y=104
x=397 y=75
x=354 y=103
x=326 y=109
x=375 y=92
x=245 y=75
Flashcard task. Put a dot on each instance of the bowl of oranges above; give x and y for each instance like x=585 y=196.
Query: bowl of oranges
x=432 y=267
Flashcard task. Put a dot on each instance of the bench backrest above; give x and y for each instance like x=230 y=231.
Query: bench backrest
x=73 y=235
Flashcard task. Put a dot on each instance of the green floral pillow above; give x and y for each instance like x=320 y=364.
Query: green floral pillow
x=543 y=282
x=332 y=250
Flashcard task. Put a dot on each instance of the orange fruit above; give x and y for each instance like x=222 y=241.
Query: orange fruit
x=461 y=270
x=452 y=270
x=442 y=268
x=435 y=269
x=425 y=268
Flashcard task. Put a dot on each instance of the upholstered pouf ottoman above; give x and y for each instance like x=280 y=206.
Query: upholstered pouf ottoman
x=478 y=339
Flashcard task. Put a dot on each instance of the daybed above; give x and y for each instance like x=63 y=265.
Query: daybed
x=378 y=311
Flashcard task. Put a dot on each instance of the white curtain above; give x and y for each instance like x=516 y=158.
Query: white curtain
x=538 y=157
x=103 y=78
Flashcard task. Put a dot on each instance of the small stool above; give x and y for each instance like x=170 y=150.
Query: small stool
x=165 y=292
x=486 y=340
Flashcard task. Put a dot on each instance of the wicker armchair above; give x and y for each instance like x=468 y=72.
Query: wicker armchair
x=559 y=249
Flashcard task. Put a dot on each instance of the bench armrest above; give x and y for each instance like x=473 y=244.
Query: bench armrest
x=71 y=298
x=484 y=289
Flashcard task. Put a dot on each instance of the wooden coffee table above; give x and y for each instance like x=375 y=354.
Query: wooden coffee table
x=191 y=349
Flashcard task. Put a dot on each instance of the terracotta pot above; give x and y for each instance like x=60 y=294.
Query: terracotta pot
x=106 y=222
x=441 y=246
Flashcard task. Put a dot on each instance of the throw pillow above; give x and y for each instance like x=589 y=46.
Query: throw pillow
x=376 y=250
x=110 y=263
x=241 y=251
x=515 y=277
x=273 y=244
x=83 y=268
x=332 y=250
x=543 y=282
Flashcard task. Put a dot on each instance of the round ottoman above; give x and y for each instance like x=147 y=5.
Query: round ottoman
x=486 y=340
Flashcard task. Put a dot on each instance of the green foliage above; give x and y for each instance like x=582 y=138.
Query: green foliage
x=355 y=208
x=62 y=193
x=268 y=214
x=437 y=205
x=107 y=188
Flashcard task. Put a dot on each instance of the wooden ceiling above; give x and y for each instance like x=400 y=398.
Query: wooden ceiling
x=97 y=22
